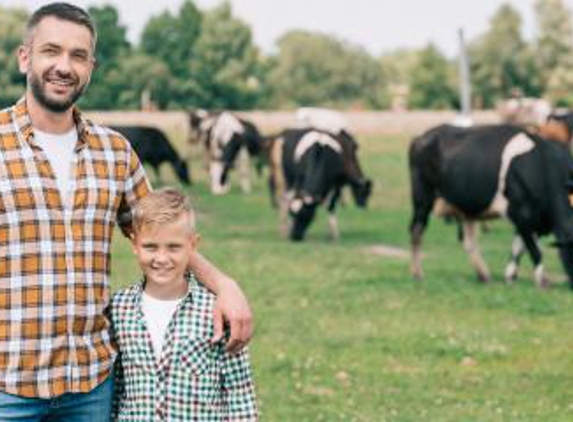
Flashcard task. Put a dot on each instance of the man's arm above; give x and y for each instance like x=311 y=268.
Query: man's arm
x=231 y=304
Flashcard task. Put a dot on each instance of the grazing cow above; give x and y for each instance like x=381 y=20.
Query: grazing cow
x=226 y=137
x=153 y=148
x=309 y=167
x=492 y=171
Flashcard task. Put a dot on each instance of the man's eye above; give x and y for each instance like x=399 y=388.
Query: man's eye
x=50 y=51
x=80 y=57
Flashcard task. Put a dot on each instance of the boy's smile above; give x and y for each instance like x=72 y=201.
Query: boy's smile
x=163 y=252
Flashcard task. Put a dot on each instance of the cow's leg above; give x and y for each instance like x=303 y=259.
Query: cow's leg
x=273 y=192
x=215 y=171
x=285 y=222
x=471 y=247
x=423 y=197
x=517 y=249
x=333 y=227
x=244 y=171
x=532 y=246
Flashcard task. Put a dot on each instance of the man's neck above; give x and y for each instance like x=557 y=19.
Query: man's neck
x=46 y=120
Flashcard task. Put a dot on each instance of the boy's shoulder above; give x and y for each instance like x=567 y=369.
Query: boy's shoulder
x=203 y=298
x=125 y=295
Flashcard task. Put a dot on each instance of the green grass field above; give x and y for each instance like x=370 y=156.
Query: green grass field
x=344 y=334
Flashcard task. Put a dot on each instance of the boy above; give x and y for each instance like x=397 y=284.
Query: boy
x=168 y=370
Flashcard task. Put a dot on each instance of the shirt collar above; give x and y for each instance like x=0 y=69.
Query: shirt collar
x=191 y=285
x=24 y=123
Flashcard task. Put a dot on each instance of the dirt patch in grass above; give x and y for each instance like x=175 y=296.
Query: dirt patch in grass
x=388 y=251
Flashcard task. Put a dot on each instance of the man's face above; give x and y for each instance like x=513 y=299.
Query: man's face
x=58 y=61
x=163 y=252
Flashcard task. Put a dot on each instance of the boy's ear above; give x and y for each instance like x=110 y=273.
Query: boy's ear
x=133 y=243
x=196 y=240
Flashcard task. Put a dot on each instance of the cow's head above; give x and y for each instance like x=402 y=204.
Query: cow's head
x=182 y=171
x=302 y=211
x=360 y=185
x=361 y=191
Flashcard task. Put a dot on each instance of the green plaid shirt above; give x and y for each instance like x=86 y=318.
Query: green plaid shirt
x=193 y=380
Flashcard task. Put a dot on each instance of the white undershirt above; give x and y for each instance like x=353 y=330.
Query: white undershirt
x=158 y=314
x=59 y=150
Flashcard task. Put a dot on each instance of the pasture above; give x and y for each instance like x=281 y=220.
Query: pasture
x=344 y=334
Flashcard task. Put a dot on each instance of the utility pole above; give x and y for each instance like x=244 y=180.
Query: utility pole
x=464 y=117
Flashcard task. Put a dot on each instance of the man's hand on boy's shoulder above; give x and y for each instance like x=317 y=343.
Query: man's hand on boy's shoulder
x=232 y=306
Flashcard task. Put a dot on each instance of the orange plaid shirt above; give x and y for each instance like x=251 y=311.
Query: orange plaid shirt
x=55 y=256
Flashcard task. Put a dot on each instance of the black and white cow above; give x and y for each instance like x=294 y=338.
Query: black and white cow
x=153 y=148
x=488 y=172
x=309 y=167
x=226 y=138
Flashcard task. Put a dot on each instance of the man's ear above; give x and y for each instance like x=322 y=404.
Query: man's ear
x=23 y=54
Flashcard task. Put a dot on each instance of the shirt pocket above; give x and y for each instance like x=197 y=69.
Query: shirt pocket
x=136 y=350
x=198 y=370
x=197 y=356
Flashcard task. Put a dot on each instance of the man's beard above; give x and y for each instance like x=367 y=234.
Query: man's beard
x=53 y=105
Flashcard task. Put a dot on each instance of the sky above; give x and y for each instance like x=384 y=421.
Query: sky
x=377 y=25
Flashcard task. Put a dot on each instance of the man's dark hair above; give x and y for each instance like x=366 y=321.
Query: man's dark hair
x=64 y=11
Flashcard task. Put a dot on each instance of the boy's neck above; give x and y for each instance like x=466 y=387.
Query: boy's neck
x=166 y=292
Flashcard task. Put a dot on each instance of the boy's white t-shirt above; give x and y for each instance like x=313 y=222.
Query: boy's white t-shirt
x=158 y=314
x=59 y=150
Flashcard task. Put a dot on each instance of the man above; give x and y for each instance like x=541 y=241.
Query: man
x=63 y=181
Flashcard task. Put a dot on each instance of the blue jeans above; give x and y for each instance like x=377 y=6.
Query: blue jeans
x=94 y=406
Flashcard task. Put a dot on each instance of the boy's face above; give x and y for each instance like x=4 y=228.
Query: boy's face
x=163 y=252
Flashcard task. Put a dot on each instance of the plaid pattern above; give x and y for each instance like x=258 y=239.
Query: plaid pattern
x=54 y=257
x=193 y=380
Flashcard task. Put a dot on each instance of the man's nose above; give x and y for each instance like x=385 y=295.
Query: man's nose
x=63 y=65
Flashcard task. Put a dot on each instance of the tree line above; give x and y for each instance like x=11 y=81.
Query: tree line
x=208 y=59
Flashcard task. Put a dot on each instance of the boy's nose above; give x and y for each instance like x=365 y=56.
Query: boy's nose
x=160 y=256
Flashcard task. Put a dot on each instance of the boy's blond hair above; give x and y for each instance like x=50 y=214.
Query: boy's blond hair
x=162 y=206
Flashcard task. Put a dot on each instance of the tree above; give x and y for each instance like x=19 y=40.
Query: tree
x=112 y=48
x=172 y=38
x=317 y=69
x=12 y=23
x=501 y=61
x=431 y=83
x=554 y=49
x=137 y=73
x=225 y=61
